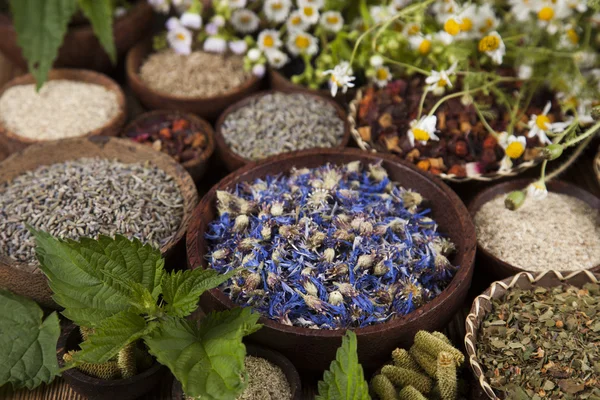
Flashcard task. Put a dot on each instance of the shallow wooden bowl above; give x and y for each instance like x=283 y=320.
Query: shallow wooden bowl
x=80 y=47
x=13 y=142
x=314 y=349
x=482 y=306
x=491 y=265
x=275 y=358
x=279 y=82
x=234 y=161
x=104 y=389
x=205 y=107
x=22 y=279
x=196 y=166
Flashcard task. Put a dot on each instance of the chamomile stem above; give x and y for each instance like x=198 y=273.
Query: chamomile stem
x=570 y=160
x=543 y=175
x=589 y=133
x=484 y=121
x=422 y=102
x=402 y=13
x=407 y=66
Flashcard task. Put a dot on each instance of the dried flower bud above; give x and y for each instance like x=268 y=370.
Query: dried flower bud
x=357 y=222
x=405 y=377
x=383 y=388
x=552 y=151
x=288 y=231
x=377 y=172
x=265 y=232
x=329 y=255
x=331 y=179
x=336 y=298
x=276 y=256
x=365 y=261
x=310 y=288
x=272 y=280
x=426 y=222
x=277 y=209
x=514 y=200
x=252 y=282
x=317 y=238
x=380 y=269
x=411 y=199
x=241 y=223
x=312 y=302
x=366 y=228
x=346 y=289
x=353 y=166
x=248 y=244
x=397 y=224
x=307 y=271
x=339 y=270
x=232 y=204
x=342 y=234
x=342 y=218
x=220 y=254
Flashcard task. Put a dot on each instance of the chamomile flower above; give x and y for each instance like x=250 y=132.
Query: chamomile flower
x=439 y=80
x=379 y=13
x=332 y=21
x=173 y=23
x=238 y=47
x=584 y=112
x=254 y=55
x=537 y=190
x=218 y=20
x=376 y=61
x=341 y=78
x=214 y=44
x=398 y=5
x=411 y=29
x=486 y=20
x=316 y=3
x=382 y=76
x=549 y=13
x=443 y=9
x=161 y=6
x=521 y=9
x=235 y=4
x=577 y=5
x=525 y=72
x=277 y=10
x=268 y=40
x=309 y=14
x=180 y=40
x=493 y=45
x=540 y=125
x=191 y=20
x=452 y=25
x=422 y=130
x=276 y=58
x=244 y=21
x=302 y=43
x=514 y=146
x=420 y=43
x=259 y=70
x=468 y=18
x=444 y=37
x=295 y=22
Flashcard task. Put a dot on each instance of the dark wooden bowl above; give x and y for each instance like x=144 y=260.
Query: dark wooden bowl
x=13 y=142
x=80 y=48
x=491 y=265
x=234 y=161
x=482 y=306
x=314 y=349
x=24 y=280
x=104 y=389
x=196 y=166
x=205 y=107
x=275 y=358
x=280 y=82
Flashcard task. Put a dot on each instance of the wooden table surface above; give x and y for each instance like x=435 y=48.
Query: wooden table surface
x=581 y=173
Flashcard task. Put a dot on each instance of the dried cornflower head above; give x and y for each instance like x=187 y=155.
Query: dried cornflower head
x=352 y=249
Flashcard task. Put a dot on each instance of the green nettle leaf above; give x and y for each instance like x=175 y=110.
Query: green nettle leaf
x=182 y=289
x=100 y=14
x=27 y=344
x=41 y=26
x=209 y=360
x=345 y=379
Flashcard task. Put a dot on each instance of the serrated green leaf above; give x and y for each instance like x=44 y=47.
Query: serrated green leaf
x=27 y=344
x=345 y=379
x=182 y=289
x=100 y=14
x=41 y=26
x=208 y=361
x=111 y=335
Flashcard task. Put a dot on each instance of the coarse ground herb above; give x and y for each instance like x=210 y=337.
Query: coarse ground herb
x=560 y=232
x=198 y=74
x=62 y=109
x=329 y=247
x=278 y=123
x=88 y=197
x=543 y=343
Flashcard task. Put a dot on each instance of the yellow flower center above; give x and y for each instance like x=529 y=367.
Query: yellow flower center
x=244 y=19
x=466 y=25
x=573 y=36
x=515 y=150
x=413 y=30
x=333 y=19
x=180 y=36
x=308 y=11
x=425 y=47
x=546 y=14
x=442 y=82
x=382 y=74
x=302 y=42
x=542 y=121
x=420 y=134
x=452 y=27
x=489 y=43
x=296 y=20
x=268 y=41
x=276 y=6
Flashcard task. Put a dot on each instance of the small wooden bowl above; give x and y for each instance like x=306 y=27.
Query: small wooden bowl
x=496 y=268
x=80 y=47
x=314 y=349
x=482 y=306
x=196 y=166
x=205 y=107
x=275 y=358
x=104 y=389
x=279 y=82
x=234 y=161
x=13 y=142
x=20 y=278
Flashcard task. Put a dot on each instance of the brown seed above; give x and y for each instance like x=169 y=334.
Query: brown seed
x=365 y=133
x=385 y=120
x=559 y=324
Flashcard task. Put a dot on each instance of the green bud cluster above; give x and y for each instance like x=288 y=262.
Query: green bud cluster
x=410 y=393
x=403 y=359
x=108 y=370
x=404 y=377
x=446 y=376
x=432 y=345
x=383 y=388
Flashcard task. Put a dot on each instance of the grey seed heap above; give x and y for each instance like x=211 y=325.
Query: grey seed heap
x=278 y=123
x=88 y=197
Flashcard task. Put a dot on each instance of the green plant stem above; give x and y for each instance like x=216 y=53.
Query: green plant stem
x=569 y=160
x=484 y=121
x=422 y=102
x=402 y=13
x=583 y=136
x=401 y=64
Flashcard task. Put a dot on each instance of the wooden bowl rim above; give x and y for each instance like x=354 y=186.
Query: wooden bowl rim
x=226 y=149
x=498 y=289
x=144 y=47
x=75 y=75
x=466 y=264
x=597 y=165
x=202 y=124
x=555 y=186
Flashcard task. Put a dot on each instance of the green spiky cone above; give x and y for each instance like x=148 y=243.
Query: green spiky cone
x=442 y=337
x=426 y=361
x=446 y=376
x=126 y=361
x=403 y=359
x=108 y=370
x=402 y=377
x=383 y=388
x=410 y=393
x=85 y=332
x=433 y=346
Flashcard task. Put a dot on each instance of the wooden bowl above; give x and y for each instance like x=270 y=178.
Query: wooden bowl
x=234 y=161
x=279 y=82
x=482 y=306
x=104 y=389
x=13 y=142
x=275 y=358
x=314 y=349
x=26 y=281
x=494 y=267
x=205 y=107
x=597 y=165
x=196 y=166
x=80 y=48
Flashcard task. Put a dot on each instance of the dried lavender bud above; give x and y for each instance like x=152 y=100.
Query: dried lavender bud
x=446 y=376
x=383 y=388
x=403 y=359
x=404 y=377
x=425 y=341
x=410 y=393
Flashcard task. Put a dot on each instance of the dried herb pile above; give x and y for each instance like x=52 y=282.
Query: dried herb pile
x=543 y=343
x=330 y=247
